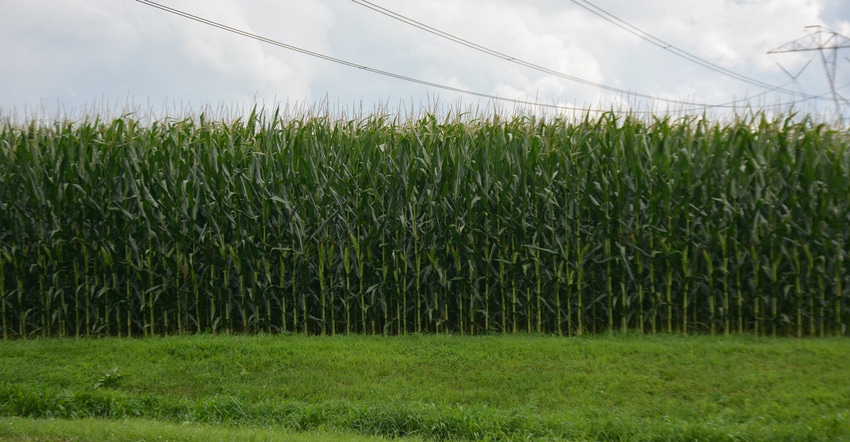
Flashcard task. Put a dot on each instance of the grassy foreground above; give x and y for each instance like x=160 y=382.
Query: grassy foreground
x=89 y=429
x=431 y=386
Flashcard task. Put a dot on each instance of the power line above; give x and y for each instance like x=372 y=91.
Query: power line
x=392 y=74
x=512 y=59
x=355 y=65
x=622 y=24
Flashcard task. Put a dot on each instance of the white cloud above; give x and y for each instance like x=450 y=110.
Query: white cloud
x=72 y=52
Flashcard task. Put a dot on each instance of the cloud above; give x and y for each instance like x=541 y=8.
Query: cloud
x=77 y=52
x=74 y=52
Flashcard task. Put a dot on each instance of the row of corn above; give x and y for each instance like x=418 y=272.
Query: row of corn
x=435 y=225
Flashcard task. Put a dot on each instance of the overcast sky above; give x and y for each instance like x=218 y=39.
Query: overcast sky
x=72 y=54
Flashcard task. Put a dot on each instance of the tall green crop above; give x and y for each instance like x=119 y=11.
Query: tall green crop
x=317 y=225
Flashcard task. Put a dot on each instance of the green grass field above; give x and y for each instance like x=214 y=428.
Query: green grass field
x=498 y=387
x=89 y=429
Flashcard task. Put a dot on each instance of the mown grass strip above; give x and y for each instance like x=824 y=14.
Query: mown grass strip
x=133 y=430
x=499 y=387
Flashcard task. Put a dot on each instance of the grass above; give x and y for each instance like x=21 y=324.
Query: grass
x=61 y=430
x=621 y=387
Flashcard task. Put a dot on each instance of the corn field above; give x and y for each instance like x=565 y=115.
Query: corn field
x=434 y=225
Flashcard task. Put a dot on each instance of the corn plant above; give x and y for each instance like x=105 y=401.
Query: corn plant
x=454 y=224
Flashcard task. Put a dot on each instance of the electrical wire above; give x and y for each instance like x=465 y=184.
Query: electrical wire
x=356 y=65
x=622 y=24
x=178 y=12
x=512 y=59
x=451 y=37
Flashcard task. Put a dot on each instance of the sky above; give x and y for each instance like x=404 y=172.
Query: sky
x=71 y=56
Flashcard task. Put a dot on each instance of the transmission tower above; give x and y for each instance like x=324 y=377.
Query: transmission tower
x=827 y=42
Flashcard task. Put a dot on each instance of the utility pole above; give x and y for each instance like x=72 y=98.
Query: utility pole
x=827 y=42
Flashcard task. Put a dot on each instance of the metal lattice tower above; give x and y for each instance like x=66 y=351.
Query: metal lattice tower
x=827 y=42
